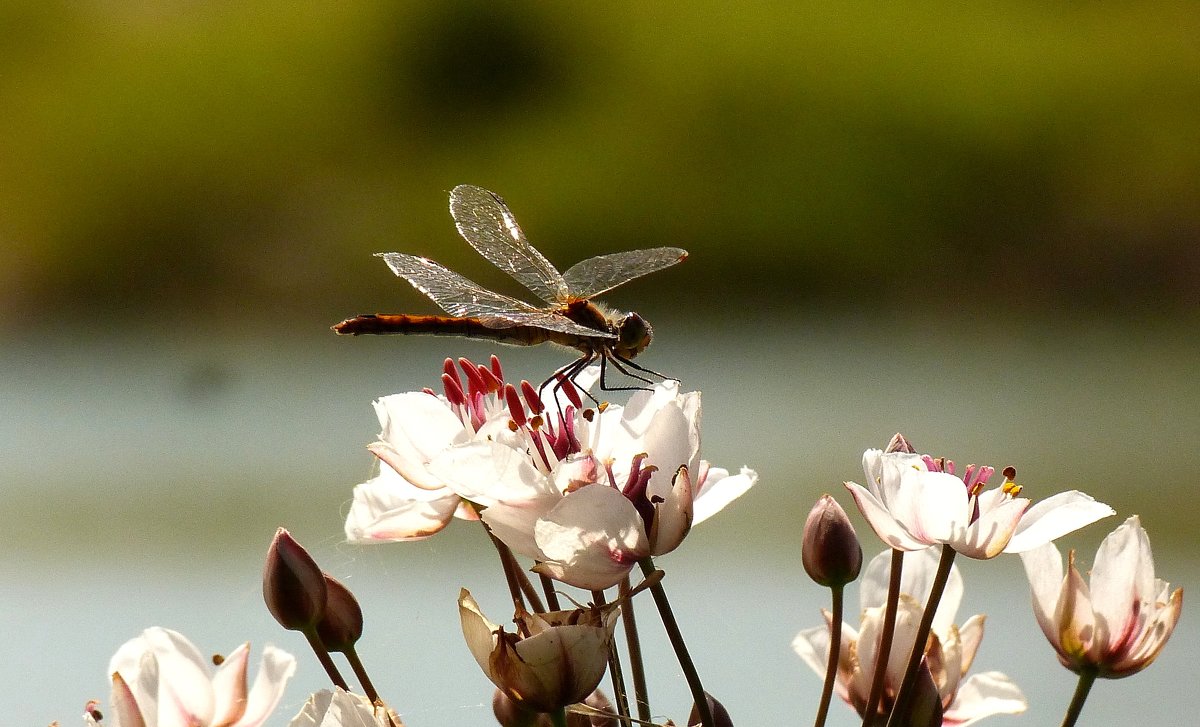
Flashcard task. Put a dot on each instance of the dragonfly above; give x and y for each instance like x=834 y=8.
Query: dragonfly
x=568 y=317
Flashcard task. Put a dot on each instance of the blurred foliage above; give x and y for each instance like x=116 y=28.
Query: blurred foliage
x=205 y=157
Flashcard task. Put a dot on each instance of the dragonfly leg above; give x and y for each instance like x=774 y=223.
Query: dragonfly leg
x=617 y=362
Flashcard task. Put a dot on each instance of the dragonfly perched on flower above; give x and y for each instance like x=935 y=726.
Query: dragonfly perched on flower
x=569 y=317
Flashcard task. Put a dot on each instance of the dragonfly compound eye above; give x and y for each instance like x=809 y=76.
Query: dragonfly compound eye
x=633 y=335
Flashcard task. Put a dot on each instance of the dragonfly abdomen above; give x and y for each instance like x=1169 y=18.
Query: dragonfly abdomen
x=517 y=335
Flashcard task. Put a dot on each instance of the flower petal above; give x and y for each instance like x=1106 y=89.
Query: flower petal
x=490 y=472
x=229 y=687
x=888 y=528
x=719 y=489
x=591 y=538
x=1054 y=517
x=982 y=695
x=389 y=509
x=275 y=669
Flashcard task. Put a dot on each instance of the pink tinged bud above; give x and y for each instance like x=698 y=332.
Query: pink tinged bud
x=831 y=553
x=899 y=444
x=342 y=624
x=293 y=585
x=720 y=716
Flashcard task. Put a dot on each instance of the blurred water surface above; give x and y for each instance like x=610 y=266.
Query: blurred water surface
x=145 y=470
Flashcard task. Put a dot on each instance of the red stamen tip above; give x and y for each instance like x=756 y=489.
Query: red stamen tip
x=515 y=408
x=453 y=388
x=495 y=362
x=531 y=397
x=568 y=387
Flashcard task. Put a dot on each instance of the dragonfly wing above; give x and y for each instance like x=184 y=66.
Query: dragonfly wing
x=464 y=298
x=485 y=222
x=605 y=272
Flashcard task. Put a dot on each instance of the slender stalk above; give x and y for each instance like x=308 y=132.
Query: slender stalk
x=1087 y=678
x=326 y=660
x=506 y=563
x=918 y=649
x=885 y=638
x=559 y=717
x=835 y=648
x=548 y=589
x=615 y=672
x=361 y=672
x=634 y=646
x=681 y=653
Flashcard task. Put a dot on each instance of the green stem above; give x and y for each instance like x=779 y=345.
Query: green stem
x=681 y=653
x=634 y=646
x=835 y=647
x=870 y=714
x=559 y=717
x=918 y=649
x=1087 y=677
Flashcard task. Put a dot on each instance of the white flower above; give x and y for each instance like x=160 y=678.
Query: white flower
x=913 y=501
x=161 y=680
x=591 y=497
x=1118 y=626
x=949 y=653
x=340 y=708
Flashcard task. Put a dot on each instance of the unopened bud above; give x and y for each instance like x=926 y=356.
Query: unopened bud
x=831 y=553
x=899 y=444
x=924 y=707
x=293 y=585
x=719 y=714
x=342 y=624
x=511 y=713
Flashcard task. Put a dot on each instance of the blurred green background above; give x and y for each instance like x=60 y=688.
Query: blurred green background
x=976 y=224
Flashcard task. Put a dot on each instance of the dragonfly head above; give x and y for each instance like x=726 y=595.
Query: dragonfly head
x=633 y=335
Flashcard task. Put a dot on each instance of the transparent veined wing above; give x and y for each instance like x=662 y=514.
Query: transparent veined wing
x=595 y=275
x=462 y=297
x=486 y=223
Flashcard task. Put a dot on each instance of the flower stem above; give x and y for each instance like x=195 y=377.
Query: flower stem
x=835 y=647
x=885 y=639
x=548 y=589
x=1087 y=677
x=699 y=699
x=326 y=660
x=615 y=671
x=634 y=646
x=559 y=717
x=918 y=649
x=361 y=672
x=518 y=584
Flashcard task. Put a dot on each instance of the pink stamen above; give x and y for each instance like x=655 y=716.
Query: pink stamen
x=474 y=382
x=489 y=379
x=568 y=388
x=453 y=389
x=515 y=408
x=531 y=397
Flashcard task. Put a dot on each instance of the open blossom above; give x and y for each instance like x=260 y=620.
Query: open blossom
x=591 y=496
x=161 y=680
x=1118 y=626
x=406 y=501
x=913 y=501
x=949 y=652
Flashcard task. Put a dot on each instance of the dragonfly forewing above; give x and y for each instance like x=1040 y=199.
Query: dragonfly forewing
x=486 y=223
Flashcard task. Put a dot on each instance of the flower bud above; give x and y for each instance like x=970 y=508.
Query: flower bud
x=342 y=624
x=831 y=553
x=293 y=585
x=924 y=707
x=899 y=444
x=719 y=714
